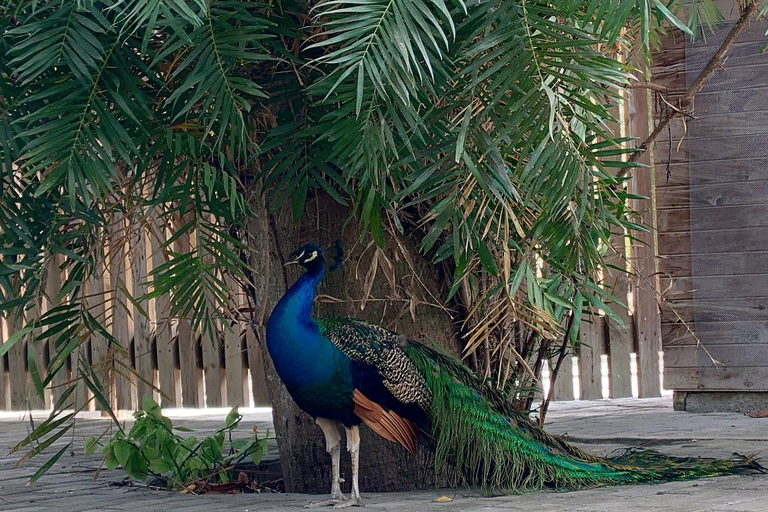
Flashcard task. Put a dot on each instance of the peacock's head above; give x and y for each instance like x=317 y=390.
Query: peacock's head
x=309 y=256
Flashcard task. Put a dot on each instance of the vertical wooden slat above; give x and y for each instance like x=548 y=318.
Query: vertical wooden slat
x=233 y=355
x=256 y=366
x=120 y=331
x=161 y=313
x=212 y=372
x=39 y=357
x=590 y=371
x=255 y=334
x=563 y=389
x=620 y=341
x=99 y=347
x=647 y=316
x=61 y=378
x=141 y=336
x=16 y=364
x=5 y=401
x=191 y=385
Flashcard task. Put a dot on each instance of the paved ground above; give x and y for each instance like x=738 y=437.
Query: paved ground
x=597 y=426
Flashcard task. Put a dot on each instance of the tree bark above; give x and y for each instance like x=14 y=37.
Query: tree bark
x=384 y=466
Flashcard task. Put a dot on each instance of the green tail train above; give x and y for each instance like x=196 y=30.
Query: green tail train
x=480 y=441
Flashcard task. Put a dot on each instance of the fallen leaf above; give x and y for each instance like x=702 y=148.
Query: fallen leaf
x=761 y=414
x=442 y=499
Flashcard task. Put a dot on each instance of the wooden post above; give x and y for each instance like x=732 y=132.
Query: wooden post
x=647 y=316
x=160 y=313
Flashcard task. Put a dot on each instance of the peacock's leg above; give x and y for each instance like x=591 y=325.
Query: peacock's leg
x=353 y=445
x=332 y=446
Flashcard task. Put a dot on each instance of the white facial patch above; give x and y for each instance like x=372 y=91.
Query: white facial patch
x=313 y=256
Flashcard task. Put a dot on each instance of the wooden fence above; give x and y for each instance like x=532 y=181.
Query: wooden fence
x=193 y=371
x=189 y=369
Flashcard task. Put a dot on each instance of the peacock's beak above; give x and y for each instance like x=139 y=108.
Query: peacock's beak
x=290 y=262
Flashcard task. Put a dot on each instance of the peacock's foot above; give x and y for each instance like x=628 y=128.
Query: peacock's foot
x=351 y=502
x=334 y=502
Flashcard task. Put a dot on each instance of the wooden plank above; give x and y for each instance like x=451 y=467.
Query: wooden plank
x=731 y=355
x=39 y=356
x=256 y=366
x=234 y=352
x=60 y=381
x=212 y=372
x=736 y=193
x=731 y=124
x=17 y=364
x=734 y=287
x=724 y=333
x=233 y=367
x=191 y=375
x=5 y=399
x=752 y=98
x=716 y=241
x=678 y=265
x=716 y=379
x=620 y=339
x=727 y=149
x=754 y=31
x=720 y=309
x=261 y=257
x=718 y=171
x=563 y=389
x=647 y=317
x=590 y=371
x=120 y=331
x=145 y=372
x=99 y=346
x=740 y=54
x=749 y=263
x=620 y=343
x=161 y=320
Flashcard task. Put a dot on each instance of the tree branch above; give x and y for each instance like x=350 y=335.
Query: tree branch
x=714 y=63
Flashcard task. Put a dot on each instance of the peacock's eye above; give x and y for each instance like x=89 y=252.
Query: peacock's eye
x=311 y=256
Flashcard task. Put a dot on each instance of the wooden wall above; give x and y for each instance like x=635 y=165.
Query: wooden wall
x=711 y=171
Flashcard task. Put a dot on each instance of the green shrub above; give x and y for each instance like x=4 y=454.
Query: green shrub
x=153 y=448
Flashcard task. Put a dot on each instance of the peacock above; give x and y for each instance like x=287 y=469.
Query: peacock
x=347 y=371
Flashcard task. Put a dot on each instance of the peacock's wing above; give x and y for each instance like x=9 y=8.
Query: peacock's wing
x=390 y=394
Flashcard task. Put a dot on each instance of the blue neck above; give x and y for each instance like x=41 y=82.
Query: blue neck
x=299 y=299
x=294 y=340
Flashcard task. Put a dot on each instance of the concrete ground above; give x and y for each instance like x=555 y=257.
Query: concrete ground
x=597 y=426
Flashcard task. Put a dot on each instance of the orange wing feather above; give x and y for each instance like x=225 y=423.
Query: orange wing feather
x=388 y=424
